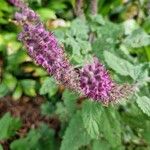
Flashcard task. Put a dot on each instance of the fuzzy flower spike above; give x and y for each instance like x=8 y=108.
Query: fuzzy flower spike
x=93 y=81
x=96 y=84
x=43 y=47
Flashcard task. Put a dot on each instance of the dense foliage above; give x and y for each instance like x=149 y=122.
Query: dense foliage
x=119 y=36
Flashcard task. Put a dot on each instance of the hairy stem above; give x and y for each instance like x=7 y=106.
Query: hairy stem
x=79 y=8
x=93 y=6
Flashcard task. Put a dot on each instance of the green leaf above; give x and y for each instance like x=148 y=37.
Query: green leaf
x=97 y=19
x=49 y=86
x=8 y=126
x=100 y=145
x=74 y=46
x=70 y=100
x=10 y=81
x=3 y=89
x=36 y=139
x=46 y=13
x=146 y=132
x=130 y=26
x=85 y=46
x=119 y=65
x=110 y=127
x=74 y=30
x=91 y=115
x=144 y=104
x=138 y=38
x=17 y=93
x=140 y=73
x=4 y=6
x=75 y=135
x=15 y=59
x=29 y=87
x=1 y=148
x=62 y=112
x=47 y=109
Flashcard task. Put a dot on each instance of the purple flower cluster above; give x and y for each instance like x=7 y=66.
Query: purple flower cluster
x=18 y=3
x=93 y=80
x=26 y=14
x=43 y=47
x=96 y=83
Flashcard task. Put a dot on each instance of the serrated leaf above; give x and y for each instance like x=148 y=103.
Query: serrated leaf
x=70 y=100
x=74 y=30
x=91 y=115
x=119 y=65
x=108 y=37
x=49 y=86
x=8 y=126
x=138 y=38
x=62 y=112
x=111 y=30
x=140 y=73
x=74 y=46
x=84 y=45
x=75 y=135
x=144 y=104
x=110 y=127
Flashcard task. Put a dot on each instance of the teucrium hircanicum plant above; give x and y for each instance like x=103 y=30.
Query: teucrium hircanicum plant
x=93 y=80
x=84 y=124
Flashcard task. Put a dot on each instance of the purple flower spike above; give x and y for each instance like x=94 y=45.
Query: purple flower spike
x=42 y=46
x=95 y=81
x=18 y=3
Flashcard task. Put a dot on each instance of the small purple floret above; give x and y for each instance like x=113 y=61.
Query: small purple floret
x=95 y=81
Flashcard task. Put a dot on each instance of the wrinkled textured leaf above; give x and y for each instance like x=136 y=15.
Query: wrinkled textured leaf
x=75 y=135
x=138 y=38
x=70 y=100
x=91 y=115
x=121 y=66
x=74 y=30
x=144 y=104
x=49 y=86
x=110 y=127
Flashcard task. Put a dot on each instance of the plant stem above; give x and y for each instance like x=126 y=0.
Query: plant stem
x=94 y=6
x=79 y=8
